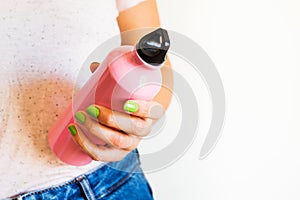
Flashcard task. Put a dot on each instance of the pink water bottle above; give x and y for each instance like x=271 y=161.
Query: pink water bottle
x=128 y=72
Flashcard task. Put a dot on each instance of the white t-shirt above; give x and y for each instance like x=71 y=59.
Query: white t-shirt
x=42 y=47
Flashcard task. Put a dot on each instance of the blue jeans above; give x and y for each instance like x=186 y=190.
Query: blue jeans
x=116 y=180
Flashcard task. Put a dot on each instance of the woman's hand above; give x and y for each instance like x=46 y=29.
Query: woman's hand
x=121 y=132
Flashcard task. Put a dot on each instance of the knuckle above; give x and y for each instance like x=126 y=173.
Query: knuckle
x=146 y=131
x=142 y=127
x=106 y=119
x=122 y=141
x=117 y=140
x=134 y=143
x=95 y=130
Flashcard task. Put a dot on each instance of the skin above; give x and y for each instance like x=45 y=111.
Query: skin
x=122 y=132
x=146 y=20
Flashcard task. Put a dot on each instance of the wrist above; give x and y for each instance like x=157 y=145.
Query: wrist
x=136 y=21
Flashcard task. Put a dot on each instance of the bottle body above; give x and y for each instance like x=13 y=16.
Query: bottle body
x=122 y=76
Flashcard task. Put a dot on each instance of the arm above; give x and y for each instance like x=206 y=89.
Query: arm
x=122 y=138
x=146 y=19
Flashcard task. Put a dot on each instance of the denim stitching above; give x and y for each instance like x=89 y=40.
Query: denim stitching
x=85 y=185
x=117 y=184
x=39 y=191
x=48 y=189
x=75 y=180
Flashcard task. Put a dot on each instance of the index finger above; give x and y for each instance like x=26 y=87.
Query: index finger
x=144 y=109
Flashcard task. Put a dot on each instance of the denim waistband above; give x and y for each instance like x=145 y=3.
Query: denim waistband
x=95 y=184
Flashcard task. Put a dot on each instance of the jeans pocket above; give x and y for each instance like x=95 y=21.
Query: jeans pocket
x=135 y=187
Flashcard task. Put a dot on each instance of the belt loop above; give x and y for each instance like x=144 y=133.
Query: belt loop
x=85 y=185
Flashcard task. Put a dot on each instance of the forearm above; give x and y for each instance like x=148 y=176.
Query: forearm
x=135 y=22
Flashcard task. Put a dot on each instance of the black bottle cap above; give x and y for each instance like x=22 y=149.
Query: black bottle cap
x=153 y=47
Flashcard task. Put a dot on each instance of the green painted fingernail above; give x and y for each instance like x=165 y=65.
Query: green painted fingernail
x=79 y=116
x=93 y=111
x=131 y=106
x=72 y=130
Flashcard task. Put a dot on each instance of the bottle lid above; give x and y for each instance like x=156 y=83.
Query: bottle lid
x=153 y=47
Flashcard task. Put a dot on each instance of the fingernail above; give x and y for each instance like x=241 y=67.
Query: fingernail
x=131 y=106
x=79 y=116
x=93 y=111
x=72 y=130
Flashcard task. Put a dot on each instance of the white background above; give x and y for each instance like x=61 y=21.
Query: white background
x=256 y=48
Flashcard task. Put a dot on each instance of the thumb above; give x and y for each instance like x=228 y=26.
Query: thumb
x=94 y=66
